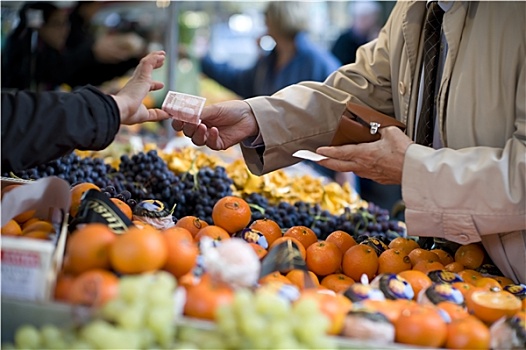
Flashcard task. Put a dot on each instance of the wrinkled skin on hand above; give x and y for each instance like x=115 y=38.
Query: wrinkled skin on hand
x=381 y=161
x=222 y=125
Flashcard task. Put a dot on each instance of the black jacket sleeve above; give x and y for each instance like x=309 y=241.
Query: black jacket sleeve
x=40 y=127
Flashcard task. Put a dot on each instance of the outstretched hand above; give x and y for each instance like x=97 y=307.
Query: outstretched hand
x=222 y=125
x=381 y=161
x=129 y=98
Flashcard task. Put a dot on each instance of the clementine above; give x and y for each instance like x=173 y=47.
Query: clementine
x=88 y=248
x=124 y=207
x=337 y=282
x=11 y=228
x=454 y=267
x=138 y=250
x=489 y=305
x=323 y=258
x=298 y=278
x=297 y=244
x=77 y=192
x=303 y=234
x=393 y=261
x=182 y=251
x=467 y=333
x=203 y=299
x=418 y=254
x=417 y=279
x=402 y=243
x=358 y=260
x=420 y=325
x=260 y=251
x=212 y=231
x=94 y=288
x=274 y=277
x=231 y=213
x=192 y=223
x=443 y=256
x=427 y=266
x=269 y=228
x=470 y=255
x=342 y=239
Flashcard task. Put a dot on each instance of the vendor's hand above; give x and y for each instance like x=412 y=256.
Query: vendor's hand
x=381 y=161
x=222 y=125
x=129 y=98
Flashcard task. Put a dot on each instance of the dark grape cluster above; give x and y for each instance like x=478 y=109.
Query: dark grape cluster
x=197 y=194
x=72 y=168
x=123 y=195
x=362 y=223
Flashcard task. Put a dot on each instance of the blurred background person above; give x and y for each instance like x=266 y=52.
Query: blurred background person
x=294 y=57
x=365 y=25
x=36 y=57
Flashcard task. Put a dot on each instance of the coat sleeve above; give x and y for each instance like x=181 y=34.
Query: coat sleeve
x=40 y=127
x=306 y=115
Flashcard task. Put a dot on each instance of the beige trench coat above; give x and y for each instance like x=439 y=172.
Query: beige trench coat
x=472 y=190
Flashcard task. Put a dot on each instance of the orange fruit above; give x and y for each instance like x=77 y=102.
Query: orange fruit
x=443 y=256
x=37 y=234
x=212 y=231
x=178 y=231
x=182 y=251
x=94 y=288
x=503 y=281
x=393 y=261
x=470 y=276
x=303 y=234
x=124 y=207
x=260 y=251
x=389 y=308
x=342 y=239
x=331 y=306
x=40 y=225
x=402 y=243
x=455 y=311
x=301 y=248
x=427 y=266
x=77 y=192
x=490 y=305
x=337 y=282
x=470 y=255
x=487 y=283
x=454 y=267
x=28 y=222
x=203 y=299
x=23 y=217
x=274 y=277
x=297 y=277
x=138 y=250
x=323 y=258
x=417 y=279
x=358 y=260
x=192 y=223
x=268 y=228
x=420 y=325
x=465 y=288
x=467 y=333
x=88 y=248
x=231 y=213
x=12 y=228
x=63 y=286
x=418 y=254
x=188 y=279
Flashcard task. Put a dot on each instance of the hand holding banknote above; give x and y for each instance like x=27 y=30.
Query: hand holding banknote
x=222 y=125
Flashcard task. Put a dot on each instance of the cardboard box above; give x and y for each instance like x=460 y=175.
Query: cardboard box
x=30 y=266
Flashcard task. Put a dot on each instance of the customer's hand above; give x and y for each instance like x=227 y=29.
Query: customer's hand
x=222 y=125
x=381 y=161
x=129 y=98
x=115 y=48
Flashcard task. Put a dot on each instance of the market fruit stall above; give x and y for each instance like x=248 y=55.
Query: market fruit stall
x=181 y=249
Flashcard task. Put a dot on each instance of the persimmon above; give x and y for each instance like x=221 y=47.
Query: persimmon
x=88 y=248
x=138 y=250
x=231 y=213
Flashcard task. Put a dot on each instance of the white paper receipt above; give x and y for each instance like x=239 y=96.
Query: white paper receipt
x=309 y=155
x=184 y=107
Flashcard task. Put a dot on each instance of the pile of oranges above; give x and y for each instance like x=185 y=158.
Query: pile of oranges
x=95 y=257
